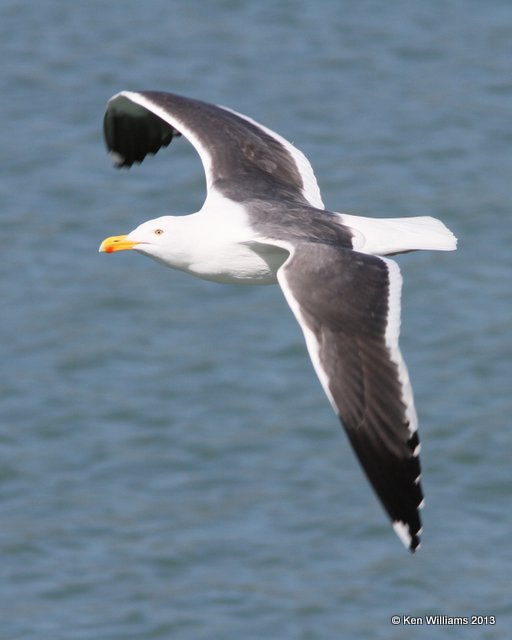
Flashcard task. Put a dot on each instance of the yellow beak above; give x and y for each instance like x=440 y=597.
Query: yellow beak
x=116 y=243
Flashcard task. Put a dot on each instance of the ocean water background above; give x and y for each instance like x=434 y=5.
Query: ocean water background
x=170 y=467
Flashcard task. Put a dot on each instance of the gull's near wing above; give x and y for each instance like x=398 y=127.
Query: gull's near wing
x=348 y=306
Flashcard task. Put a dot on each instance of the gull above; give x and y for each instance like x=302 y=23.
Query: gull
x=263 y=222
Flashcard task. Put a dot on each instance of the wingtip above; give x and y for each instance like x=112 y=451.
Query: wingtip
x=410 y=541
x=117 y=159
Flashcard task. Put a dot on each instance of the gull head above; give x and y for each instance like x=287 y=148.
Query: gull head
x=153 y=238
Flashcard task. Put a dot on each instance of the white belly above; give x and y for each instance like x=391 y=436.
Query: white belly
x=240 y=263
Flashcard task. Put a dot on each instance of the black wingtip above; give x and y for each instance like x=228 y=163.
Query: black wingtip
x=411 y=540
x=133 y=132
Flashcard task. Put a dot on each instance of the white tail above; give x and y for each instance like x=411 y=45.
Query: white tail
x=384 y=236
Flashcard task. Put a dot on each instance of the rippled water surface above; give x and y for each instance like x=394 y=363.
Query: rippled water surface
x=170 y=466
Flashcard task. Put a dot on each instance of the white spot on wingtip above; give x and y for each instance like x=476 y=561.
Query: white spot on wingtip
x=402 y=531
x=416 y=451
x=117 y=158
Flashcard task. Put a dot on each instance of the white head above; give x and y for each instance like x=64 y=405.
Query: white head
x=161 y=238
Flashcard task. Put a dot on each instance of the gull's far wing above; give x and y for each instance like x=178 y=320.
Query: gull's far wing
x=229 y=144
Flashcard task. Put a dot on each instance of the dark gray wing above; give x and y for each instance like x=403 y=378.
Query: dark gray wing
x=231 y=146
x=348 y=306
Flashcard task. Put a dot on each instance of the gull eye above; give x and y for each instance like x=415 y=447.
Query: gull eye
x=158 y=232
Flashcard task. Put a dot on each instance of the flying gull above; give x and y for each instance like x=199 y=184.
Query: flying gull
x=264 y=222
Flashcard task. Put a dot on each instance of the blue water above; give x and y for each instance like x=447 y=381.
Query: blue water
x=170 y=467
